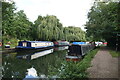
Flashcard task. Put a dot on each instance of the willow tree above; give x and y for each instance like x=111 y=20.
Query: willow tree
x=73 y=33
x=48 y=28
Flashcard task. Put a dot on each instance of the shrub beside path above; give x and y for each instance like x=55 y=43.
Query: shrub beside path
x=103 y=65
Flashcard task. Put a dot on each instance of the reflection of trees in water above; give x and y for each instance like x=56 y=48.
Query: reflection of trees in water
x=14 y=67
x=44 y=65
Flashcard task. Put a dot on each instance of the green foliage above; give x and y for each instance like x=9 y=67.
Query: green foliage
x=16 y=25
x=22 y=26
x=13 y=41
x=103 y=22
x=0 y=21
x=73 y=33
x=49 y=28
x=8 y=18
x=74 y=70
x=114 y=53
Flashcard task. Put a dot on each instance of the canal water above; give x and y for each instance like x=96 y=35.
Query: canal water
x=17 y=64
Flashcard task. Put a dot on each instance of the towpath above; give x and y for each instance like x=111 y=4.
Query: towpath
x=103 y=65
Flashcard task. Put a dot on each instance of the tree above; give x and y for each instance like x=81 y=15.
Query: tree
x=48 y=28
x=8 y=19
x=22 y=25
x=17 y=25
x=103 y=22
x=73 y=33
x=0 y=21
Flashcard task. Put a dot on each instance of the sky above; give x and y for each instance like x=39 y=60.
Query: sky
x=69 y=12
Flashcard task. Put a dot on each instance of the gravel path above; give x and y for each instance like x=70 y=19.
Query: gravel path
x=103 y=65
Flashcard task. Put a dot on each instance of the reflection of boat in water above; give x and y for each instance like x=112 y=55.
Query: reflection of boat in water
x=35 y=55
x=34 y=44
x=60 y=48
x=73 y=58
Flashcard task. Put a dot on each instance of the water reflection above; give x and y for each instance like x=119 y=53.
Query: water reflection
x=61 y=48
x=15 y=64
x=34 y=55
x=32 y=73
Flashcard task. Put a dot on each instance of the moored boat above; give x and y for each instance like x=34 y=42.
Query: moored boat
x=80 y=48
x=73 y=58
x=34 y=44
x=79 y=43
x=61 y=43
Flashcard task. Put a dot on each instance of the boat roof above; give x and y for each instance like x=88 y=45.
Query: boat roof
x=34 y=41
x=79 y=43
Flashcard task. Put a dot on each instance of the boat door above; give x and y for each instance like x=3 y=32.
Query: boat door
x=24 y=44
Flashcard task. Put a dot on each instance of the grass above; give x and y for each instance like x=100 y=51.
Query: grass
x=86 y=62
x=13 y=42
x=114 y=53
x=74 y=70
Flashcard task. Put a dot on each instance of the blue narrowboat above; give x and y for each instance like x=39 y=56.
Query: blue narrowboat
x=34 y=44
x=79 y=43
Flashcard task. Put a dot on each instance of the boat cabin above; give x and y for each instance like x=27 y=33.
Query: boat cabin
x=34 y=44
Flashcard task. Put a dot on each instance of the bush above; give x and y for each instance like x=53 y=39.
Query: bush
x=13 y=41
x=114 y=53
x=74 y=70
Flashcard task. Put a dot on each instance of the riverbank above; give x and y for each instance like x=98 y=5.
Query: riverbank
x=114 y=53
x=8 y=50
x=76 y=70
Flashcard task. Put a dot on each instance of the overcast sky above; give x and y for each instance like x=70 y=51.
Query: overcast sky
x=69 y=12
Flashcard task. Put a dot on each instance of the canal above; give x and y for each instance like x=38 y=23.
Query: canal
x=17 y=64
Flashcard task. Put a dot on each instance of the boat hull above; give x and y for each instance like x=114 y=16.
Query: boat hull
x=73 y=58
x=33 y=48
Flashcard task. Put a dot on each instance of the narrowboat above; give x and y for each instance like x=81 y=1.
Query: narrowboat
x=76 y=49
x=73 y=58
x=98 y=44
x=7 y=46
x=79 y=43
x=61 y=43
x=34 y=44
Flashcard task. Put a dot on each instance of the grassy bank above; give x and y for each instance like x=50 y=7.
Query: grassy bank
x=12 y=42
x=114 y=53
x=74 y=70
